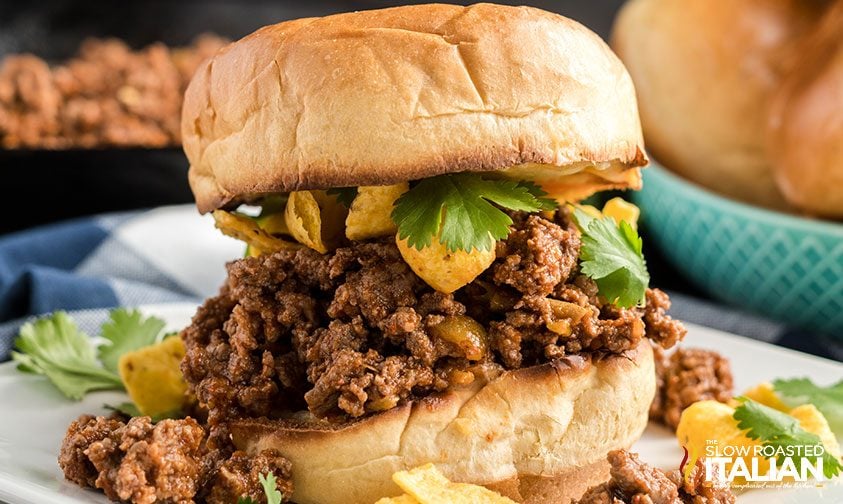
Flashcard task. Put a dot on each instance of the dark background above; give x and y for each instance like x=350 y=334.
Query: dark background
x=54 y=28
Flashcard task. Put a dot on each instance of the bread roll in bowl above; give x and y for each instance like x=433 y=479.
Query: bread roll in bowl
x=386 y=96
x=704 y=72
x=537 y=434
x=805 y=124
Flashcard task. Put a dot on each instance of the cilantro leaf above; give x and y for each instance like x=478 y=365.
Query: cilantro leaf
x=54 y=347
x=763 y=422
x=829 y=400
x=612 y=256
x=777 y=429
x=127 y=331
x=459 y=209
x=540 y=194
x=129 y=409
x=245 y=500
x=344 y=195
x=272 y=204
x=268 y=482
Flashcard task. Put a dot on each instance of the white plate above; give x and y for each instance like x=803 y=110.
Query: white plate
x=34 y=416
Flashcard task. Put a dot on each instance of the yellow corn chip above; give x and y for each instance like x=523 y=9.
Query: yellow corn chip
x=765 y=394
x=622 y=210
x=428 y=486
x=370 y=212
x=401 y=499
x=153 y=378
x=247 y=230
x=812 y=420
x=315 y=219
x=443 y=270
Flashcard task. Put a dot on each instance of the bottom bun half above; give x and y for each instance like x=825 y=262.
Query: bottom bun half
x=537 y=434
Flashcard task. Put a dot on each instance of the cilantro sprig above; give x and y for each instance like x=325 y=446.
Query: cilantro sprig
x=268 y=482
x=612 y=256
x=126 y=331
x=54 y=346
x=829 y=400
x=777 y=429
x=345 y=195
x=463 y=210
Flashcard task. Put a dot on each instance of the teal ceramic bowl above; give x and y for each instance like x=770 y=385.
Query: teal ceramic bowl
x=786 y=267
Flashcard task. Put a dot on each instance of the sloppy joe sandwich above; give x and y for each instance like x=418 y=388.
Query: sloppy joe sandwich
x=419 y=288
x=420 y=284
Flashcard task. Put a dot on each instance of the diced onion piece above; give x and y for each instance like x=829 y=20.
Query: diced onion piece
x=383 y=404
x=560 y=327
x=460 y=377
x=464 y=332
x=566 y=310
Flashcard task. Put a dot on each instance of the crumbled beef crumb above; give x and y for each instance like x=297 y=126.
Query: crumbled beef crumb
x=143 y=462
x=81 y=434
x=686 y=376
x=537 y=256
x=239 y=477
x=634 y=482
x=354 y=331
x=660 y=327
x=138 y=461
x=106 y=95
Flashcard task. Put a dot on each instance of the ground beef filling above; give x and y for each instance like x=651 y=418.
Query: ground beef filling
x=356 y=331
x=686 y=376
x=169 y=461
x=634 y=482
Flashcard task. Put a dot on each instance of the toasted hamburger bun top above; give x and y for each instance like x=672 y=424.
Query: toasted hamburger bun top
x=538 y=434
x=378 y=97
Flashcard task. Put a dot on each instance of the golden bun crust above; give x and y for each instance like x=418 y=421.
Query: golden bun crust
x=705 y=72
x=382 y=96
x=805 y=126
x=529 y=433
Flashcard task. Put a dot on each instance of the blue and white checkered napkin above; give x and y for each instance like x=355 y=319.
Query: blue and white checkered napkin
x=172 y=255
